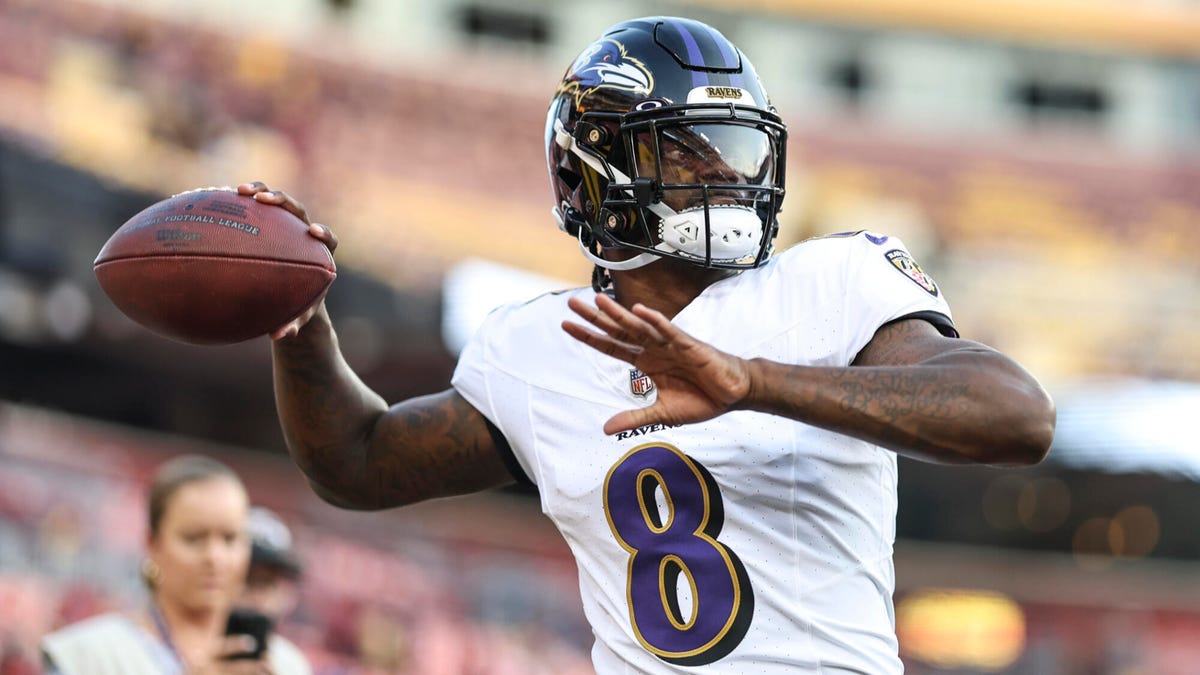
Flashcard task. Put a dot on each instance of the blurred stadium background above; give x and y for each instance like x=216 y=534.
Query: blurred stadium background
x=1042 y=160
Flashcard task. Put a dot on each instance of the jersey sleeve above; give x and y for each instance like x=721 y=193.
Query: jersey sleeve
x=483 y=386
x=887 y=284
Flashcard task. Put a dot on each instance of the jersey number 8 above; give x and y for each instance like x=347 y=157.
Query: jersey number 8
x=678 y=539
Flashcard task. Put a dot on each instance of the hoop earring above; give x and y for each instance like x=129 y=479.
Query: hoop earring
x=150 y=572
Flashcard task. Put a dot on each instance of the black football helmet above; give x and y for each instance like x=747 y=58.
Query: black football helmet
x=661 y=139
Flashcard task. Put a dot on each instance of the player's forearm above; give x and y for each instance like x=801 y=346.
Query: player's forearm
x=964 y=406
x=358 y=452
x=326 y=412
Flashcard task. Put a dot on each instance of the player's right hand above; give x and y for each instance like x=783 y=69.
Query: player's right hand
x=261 y=193
x=695 y=381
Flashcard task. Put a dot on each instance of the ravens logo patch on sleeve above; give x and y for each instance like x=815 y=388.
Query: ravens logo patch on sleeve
x=904 y=262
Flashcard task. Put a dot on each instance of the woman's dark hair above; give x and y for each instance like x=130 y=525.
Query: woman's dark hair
x=177 y=473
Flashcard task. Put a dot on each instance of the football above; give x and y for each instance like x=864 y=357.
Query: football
x=210 y=266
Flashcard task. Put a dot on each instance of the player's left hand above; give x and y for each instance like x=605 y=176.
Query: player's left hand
x=263 y=194
x=695 y=381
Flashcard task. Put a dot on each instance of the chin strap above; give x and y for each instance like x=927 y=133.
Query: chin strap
x=639 y=260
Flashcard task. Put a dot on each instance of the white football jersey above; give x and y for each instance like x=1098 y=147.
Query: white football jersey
x=750 y=543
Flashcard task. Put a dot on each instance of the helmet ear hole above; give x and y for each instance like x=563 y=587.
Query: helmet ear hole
x=569 y=178
x=594 y=135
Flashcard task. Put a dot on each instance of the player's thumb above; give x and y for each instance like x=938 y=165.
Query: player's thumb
x=631 y=419
x=292 y=328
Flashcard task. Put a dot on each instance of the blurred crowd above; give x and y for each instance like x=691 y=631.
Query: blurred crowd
x=162 y=106
x=420 y=167
x=392 y=598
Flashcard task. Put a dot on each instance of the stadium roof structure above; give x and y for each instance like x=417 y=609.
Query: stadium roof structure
x=1122 y=425
x=1158 y=28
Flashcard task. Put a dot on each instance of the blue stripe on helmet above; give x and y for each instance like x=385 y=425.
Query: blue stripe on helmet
x=731 y=58
x=699 y=79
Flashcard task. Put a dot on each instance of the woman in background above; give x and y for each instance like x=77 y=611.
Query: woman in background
x=197 y=554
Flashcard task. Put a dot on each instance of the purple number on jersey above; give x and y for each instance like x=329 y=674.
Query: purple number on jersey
x=681 y=540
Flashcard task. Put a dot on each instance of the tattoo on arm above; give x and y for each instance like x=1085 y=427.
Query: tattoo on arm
x=916 y=392
x=358 y=452
x=433 y=446
x=889 y=400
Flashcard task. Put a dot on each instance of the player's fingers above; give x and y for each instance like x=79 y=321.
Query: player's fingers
x=636 y=329
x=252 y=188
x=609 y=316
x=603 y=343
x=292 y=328
x=281 y=198
x=585 y=310
x=657 y=320
x=594 y=316
x=289 y=329
x=631 y=419
x=275 y=197
x=325 y=234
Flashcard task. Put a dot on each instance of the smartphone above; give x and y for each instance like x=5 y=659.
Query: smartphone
x=257 y=625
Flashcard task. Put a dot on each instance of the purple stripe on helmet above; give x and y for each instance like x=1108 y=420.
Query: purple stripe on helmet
x=731 y=58
x=699 y=79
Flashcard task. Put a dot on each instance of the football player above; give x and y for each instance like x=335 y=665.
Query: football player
x=715 y=429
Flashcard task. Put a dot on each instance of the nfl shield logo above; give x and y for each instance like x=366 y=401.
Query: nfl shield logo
x=640 y=383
